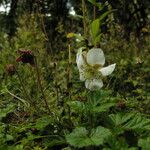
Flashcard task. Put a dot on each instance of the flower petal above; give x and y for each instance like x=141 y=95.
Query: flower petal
x=94 y=84
x=80 y=60
x=95 y=56
x=107 y=70
x=82 y=78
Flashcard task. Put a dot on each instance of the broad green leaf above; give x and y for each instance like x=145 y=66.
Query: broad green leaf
x=99 y=135
x=79 y=138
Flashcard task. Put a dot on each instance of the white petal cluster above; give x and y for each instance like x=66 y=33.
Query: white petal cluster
x=91 y=70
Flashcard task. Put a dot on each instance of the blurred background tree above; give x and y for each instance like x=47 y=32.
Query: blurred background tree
x=56 y=21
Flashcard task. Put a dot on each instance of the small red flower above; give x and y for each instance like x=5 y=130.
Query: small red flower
x=10 y=69
x=26 y=56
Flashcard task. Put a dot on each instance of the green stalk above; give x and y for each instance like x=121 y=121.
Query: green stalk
x=84 y=18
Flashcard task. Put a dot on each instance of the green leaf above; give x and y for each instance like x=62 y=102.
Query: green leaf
x=9 y=137
x=99 y=5
x=55 y=142
x=99 y=135
x=79 y=138
x=138 y=123
x=117 y=144
x=130 y=121
x=103 y=107
x=144 y=143
x=104 y=15
x=119 y=119
x=92 y=1
x=5 y=111
x=97 y=39
x=43 y=122
x=95 y=28
x=77 y=106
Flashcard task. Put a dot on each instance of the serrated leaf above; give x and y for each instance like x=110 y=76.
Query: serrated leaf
x=79 y=138
x=130 y=121
x=99 y=135
x=119 y=118
x=138 y=122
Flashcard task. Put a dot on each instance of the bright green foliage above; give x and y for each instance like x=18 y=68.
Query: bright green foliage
x=43 y=122
x=95 y=30
x=129 y=121
x=144 y=143
x=4 y=111
x=99 y=135
x=80 y=137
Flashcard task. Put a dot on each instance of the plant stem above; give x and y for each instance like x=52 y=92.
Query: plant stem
x=94 y=12
x=69 y=79
x=40 y=86
x=84 y=18
x=90 y=119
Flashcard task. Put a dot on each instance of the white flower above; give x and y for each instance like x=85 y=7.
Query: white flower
x=91 y=70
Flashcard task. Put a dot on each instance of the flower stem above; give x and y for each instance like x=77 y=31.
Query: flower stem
x=90 y=116
x=40 y=86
